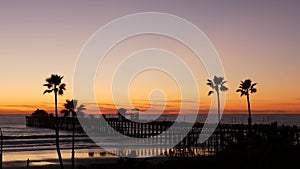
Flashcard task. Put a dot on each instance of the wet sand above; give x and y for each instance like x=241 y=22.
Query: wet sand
x=53 y=163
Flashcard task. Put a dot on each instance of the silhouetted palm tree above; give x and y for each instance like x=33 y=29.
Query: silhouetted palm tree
x=80 y=110
x=246 y=87
x=70 y=108
x=55 y=85
x=217 y=84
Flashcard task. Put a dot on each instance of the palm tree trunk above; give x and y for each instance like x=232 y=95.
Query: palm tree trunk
x=249 y=111
x=219 y=116
x=73 y=142
x=57 y=131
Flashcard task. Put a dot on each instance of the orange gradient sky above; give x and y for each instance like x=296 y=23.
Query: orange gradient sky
x=258 y=40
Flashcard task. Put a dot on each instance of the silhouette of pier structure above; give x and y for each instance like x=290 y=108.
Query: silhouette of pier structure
x=224 y=136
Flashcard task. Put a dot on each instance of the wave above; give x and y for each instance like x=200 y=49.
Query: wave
x=44 y=142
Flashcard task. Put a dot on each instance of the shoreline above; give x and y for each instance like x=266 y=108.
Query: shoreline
x=85 y=162
x=53 y=163
x=51 y=154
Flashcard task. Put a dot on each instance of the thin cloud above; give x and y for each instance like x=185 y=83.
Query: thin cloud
x=17 y=106
x=163 y=101
x=11 y=111
x=264 y=111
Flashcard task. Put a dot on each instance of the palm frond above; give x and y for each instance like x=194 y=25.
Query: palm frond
x=65 y=112
x=243 y=92
x=241 y=84
x=252 y=86
x=80 y=110
x=49 y=80
x=62 y=86
x=56 y=79
x=253 y=90
x=223 y=83
x=81 y=107
x=223 y=88
x=70 y=107
x=218 y=80
x=48 y=85
x=247 y=84
x=210 y=84
x=47 y=91
x=52 y=82
x=74 y=102
x=61 y=92
x=68 y=104
x=239 y=90
x=210 y=92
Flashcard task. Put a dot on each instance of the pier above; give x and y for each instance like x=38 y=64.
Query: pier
x=225 y=135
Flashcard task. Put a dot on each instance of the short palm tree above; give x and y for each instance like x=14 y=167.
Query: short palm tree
x=217 y=84
x=70 y=108
x=246 y=87
x=54 y=84
x=80 y=110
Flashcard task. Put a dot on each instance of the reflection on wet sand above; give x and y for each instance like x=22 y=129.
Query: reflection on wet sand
x=47 y=157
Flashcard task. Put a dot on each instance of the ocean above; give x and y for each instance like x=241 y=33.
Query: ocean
x=21 y=146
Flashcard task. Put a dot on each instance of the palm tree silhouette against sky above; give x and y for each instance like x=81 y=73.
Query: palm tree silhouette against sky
x=217 y=84
x=80 y=110
x=54 y=84
x=244 y=88
x=72 y=109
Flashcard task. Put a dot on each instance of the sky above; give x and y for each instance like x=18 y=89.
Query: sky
x=254 y=39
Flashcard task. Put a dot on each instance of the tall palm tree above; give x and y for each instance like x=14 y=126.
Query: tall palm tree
x=70 y=108
x=244 y=88
x=217 y=84
x=54 y=84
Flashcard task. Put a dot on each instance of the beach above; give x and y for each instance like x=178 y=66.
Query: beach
x=53 y=163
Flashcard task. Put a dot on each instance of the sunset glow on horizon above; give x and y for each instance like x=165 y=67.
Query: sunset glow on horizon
x=258 y=40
